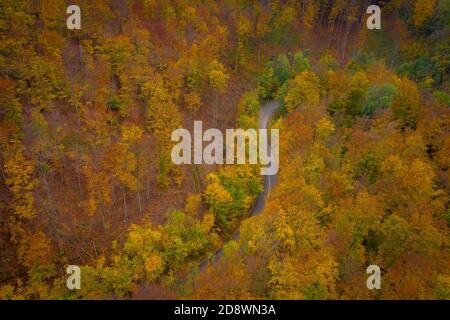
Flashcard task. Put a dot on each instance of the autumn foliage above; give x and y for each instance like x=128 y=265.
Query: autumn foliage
x=86 y=178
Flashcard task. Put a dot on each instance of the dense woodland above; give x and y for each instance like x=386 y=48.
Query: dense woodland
x=86 y=178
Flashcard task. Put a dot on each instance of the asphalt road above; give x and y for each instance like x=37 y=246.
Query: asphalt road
x=265 y=114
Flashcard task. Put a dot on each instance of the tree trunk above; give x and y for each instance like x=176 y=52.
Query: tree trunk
x=259 y=52
x=139 y=199
x=79 y=182
x=113 y=192
x=46 y=187
x=215 y=110
x=148 y=183
x=125 y=209
x=348 y=28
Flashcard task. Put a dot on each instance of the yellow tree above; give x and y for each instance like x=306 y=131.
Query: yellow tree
x=309 y=14
x=243 y=38
x=122 y=161
x=303 y=92
x=162 y=118
x=262 y=27
x=192 y=101
x=98 y=186
x=218 y=79
x=423 y=11
x=406 y=103
x=19 y=179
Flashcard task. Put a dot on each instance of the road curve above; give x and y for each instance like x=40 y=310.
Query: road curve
x=265 y=114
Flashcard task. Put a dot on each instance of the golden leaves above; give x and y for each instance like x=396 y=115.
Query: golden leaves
x=325 y=127
x=34 y=249
x=19 y=178
x=218 y=78
x=154 y=266
x=192 y=101
x=217 y=194
x=406 y=104
x=303 y=91
x=423 y=10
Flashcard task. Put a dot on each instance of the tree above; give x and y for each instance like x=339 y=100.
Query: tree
x=230 y=194
x=406 y=104
x=98 y=185
x=324 y=128
x=283 y=20
x=243 y=38
x=347 y=95
x=218 y=79
x=249 y=104
x=162 y=118
x=122 y=161
x=423 y=10
x=192 y=101
x=262 y=28
x=212 y=284
x=19 y=179
x=193 y=204
x=303 y=92
x=378 y=98
x=44 y=83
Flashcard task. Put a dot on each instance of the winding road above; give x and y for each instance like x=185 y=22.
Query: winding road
x=265 y=114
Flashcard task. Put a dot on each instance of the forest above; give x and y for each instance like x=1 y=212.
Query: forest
x=86 y=176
